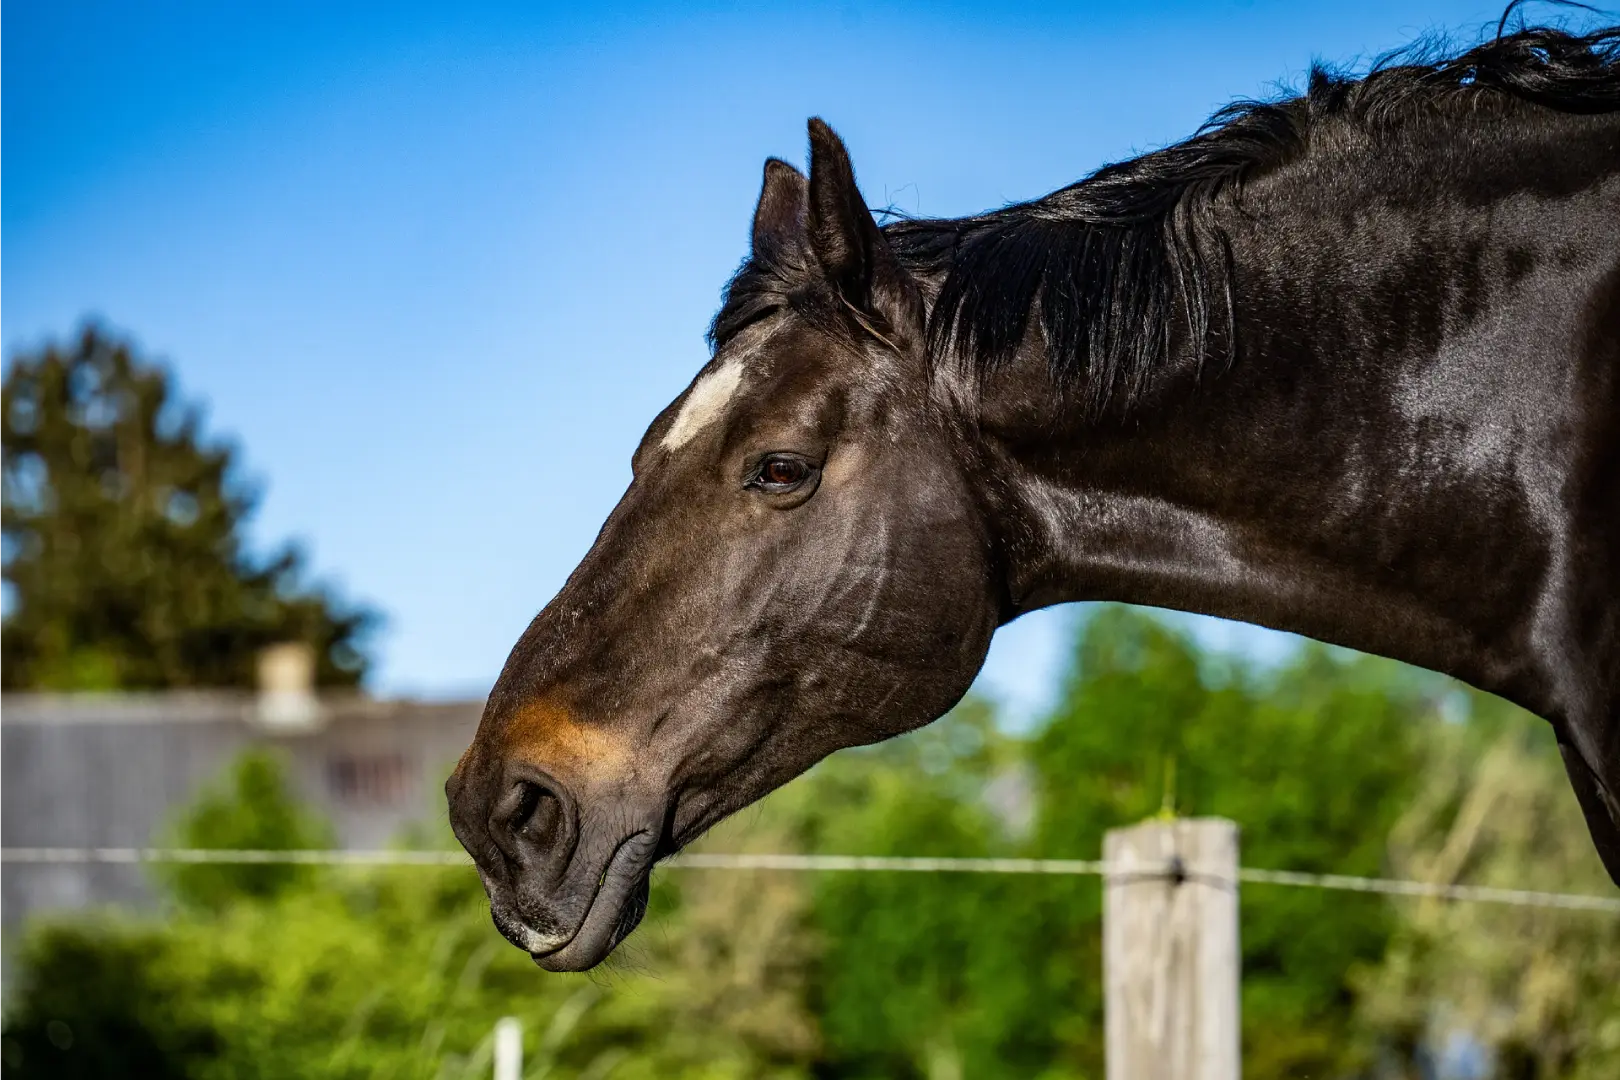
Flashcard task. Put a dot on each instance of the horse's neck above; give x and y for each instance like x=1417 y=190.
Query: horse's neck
x=1390 y=462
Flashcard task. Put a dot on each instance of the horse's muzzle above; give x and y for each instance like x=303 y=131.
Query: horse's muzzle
x=563 y=885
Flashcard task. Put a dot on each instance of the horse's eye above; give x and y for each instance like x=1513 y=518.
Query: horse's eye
x=783 y=472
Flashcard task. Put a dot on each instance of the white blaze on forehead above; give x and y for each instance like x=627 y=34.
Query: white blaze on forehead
x=705 y=404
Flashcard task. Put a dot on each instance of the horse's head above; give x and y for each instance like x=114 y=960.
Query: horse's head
x=800 y=564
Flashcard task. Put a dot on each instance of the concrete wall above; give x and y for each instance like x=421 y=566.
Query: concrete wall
x=92 y=771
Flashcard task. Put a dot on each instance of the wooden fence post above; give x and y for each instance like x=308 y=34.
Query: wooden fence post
x=1170 y=950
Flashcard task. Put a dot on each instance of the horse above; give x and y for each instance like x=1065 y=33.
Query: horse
x=1345 y=364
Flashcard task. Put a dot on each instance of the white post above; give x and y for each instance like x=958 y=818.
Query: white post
x=508 y=1048
x=1170 y=950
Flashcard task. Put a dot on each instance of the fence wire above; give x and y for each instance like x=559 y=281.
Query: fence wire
x=842 y=863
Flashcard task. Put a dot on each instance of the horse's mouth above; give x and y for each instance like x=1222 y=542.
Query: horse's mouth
x=616 y=907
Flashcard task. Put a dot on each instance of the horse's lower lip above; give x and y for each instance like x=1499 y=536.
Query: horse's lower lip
x=538 y=951
x=617 y=883
x=538 y=944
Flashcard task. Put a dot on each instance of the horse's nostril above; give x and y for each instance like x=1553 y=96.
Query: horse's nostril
x=532 y=814
x=539 y=814
x=528 y=800
x=532 y=821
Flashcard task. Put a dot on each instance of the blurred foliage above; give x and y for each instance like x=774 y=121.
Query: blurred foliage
x=397 y=973
x=251 y=810
x=992 y=976
x=1539 y=987
x=926 y=974
x=1314 y=762
x=125 y=566
x=1330 y=763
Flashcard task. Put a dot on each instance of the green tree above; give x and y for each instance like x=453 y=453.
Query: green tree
x=998 y=976
x=1314 y=762
x=1539 y=987
x=926 y=974
x=125 y=566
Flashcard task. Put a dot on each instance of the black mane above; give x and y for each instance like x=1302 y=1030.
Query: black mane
x=1111 y=260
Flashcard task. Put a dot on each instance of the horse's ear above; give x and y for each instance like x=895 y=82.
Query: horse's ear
x=779 y=219
x=847 y=242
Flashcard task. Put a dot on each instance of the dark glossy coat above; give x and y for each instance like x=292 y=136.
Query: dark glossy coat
x=1347 y=365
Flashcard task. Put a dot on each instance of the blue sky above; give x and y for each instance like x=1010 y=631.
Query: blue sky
x=437 y=266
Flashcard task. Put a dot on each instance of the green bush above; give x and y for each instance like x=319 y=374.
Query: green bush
x=91 y=1002
x=252 y=810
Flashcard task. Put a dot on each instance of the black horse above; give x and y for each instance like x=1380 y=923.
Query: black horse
x=1346 y=365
